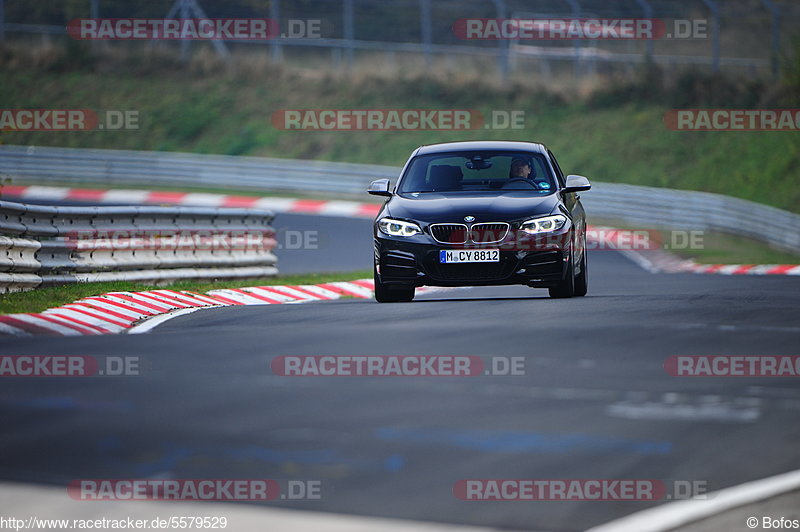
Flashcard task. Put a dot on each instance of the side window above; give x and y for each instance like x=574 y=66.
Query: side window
x=559 y=173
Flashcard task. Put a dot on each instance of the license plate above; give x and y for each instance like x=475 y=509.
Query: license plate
x=453 y=256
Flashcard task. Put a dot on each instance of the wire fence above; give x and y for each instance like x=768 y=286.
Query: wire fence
x=753 y=37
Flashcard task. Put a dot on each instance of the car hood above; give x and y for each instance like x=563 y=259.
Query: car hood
x=503 y=207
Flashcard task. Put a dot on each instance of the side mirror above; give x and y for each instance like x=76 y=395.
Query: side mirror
x=379 y=187
x=576 y=183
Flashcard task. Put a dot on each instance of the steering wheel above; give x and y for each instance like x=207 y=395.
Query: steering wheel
x=517 y=180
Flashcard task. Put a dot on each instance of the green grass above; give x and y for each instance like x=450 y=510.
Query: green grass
x=54 y=296
x=608 y=138
x=231 y=114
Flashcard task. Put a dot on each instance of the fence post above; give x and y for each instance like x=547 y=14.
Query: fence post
x=426 y=30
x=715 y=37
x=648 y=13
x=94 y=12
x=776 y=36
x=184 y=14
x=576 y=13
x=218 y=44
x=275 y=43
x=502 y=12
x=349 y=30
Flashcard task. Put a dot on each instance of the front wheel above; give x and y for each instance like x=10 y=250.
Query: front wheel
x=566 y=287
x=386 y=294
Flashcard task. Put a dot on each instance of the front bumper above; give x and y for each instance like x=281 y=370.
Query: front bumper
x=537 y=262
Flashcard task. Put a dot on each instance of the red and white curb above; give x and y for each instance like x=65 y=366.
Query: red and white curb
x=742 y=269
x=663 y=262
x=350 y=209
x=656 y=261
x=137 y=312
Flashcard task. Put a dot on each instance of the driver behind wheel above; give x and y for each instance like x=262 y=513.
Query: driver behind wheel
x=523 y=170
x=520 y=169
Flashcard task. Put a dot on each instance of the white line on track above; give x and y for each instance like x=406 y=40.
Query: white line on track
x=155 y=321
x=676 y=514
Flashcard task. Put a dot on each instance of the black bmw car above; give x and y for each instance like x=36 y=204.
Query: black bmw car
x=480 y=213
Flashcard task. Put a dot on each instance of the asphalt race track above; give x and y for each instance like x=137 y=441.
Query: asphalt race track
x=595 y=400
x=313 y=244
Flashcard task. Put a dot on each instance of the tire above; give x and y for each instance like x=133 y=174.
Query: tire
x=582 y=279
x=385 y=294
x=565 y=288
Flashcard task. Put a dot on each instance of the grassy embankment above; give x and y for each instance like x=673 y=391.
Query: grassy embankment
x=614 y=134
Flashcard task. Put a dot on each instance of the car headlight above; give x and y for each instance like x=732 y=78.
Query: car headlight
x=546 y=224
x=398 y=227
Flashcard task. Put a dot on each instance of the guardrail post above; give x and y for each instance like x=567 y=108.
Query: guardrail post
x=715 y=37
x=349 y=30
x=776 y=36
x=426 y=30
x=275 y=43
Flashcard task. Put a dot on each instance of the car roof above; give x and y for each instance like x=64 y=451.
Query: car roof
x=475 y=145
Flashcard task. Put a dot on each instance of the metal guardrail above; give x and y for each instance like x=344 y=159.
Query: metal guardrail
x=148 y=169
x=691 y=210
x=46 y=245
x=646 y=206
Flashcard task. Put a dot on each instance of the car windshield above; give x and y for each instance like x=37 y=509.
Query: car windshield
x=482 y=171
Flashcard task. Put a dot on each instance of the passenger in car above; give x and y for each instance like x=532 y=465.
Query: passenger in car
x=445 y=178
